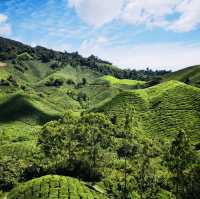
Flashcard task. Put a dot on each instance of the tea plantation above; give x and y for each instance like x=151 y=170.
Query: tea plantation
x=161 y=110
x=54 y=187
x=80 y=128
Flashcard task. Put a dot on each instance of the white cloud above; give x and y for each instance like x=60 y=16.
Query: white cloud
x=3 y=18
x=190 y=16
x=97 y=12
x=156 y=56
x=151 y=13
x=74 y=3
x=148 y=12
x=154 y=13
x=5 y=28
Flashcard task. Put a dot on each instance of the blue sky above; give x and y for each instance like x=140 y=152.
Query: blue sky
x=160 y=34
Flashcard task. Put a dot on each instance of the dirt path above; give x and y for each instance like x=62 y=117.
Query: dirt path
x=2 y=64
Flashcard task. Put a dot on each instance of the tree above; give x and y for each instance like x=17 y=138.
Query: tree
x=145 y=179
x=125 y=151
x=57 y=137
x=51 y=139
x=187 y=80
x=11 y=170
x=192 y=188
x=84 y=81
x=178 y=159
x=24 y=57
x=94 y=132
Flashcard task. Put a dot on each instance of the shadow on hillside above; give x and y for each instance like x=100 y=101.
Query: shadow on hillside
x=19 y=108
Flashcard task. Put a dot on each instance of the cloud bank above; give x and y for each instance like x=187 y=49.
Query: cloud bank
x=171 y=56
x=97 y=12
x=172 y=15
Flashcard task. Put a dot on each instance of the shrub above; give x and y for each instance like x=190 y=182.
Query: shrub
x=24 y=57
x=4 y=82
x=55 y=65
x=54 y=82
x=70 y=82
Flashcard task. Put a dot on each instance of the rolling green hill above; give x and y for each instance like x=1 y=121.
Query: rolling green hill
x=114 y=80
x=190 y=75
x=162 y=110
x=19 y=107
x=54 y=187
x=39 y=85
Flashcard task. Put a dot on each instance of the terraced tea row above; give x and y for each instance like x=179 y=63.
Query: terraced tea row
x=162 y=110
x=54 y=187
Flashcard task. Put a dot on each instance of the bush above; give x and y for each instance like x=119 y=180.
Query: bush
x=4 y=82
x=55 y=65
x=82 y=97
x=10 y=171
x=54 y=82
x=70 y=82
x=12 y=80
x=24 y=57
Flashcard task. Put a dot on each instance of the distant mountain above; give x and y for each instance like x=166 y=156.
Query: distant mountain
x=9 y=50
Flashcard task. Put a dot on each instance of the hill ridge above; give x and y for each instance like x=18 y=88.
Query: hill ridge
x=189 y=75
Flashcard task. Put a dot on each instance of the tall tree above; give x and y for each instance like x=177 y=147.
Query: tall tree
x=145 y=179
x=126 y=148
x=94 y=132
x=178 y=159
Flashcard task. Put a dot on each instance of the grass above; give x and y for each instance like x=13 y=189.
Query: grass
x=115 y=81
x=54 y=187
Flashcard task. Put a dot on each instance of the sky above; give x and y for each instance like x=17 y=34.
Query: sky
x=159 y=34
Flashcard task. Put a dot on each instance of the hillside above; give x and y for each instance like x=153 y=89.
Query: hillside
x=81 y=128
x=161 y=110
x=24 y=107
x=189 y=75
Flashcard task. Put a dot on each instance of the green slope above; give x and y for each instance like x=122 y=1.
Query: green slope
x=54 y=187
x=23 y=107
x=114 y=80
x=162 y=110
x=122 y=83
x=190 y=75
